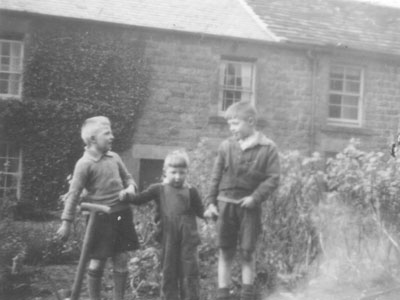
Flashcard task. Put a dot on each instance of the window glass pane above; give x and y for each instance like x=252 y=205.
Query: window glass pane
x=5 y=48
x=230 y=80
x=16 y=50
x=3 y=87
x=350 y=113
x=352 y=86
x=5 y=64
x=350 y=101
x=336 y=85
x=334 y=111
x=13 y=165
x=247 y=71
x=353 y=74
x=335 y=99
x=15 y=65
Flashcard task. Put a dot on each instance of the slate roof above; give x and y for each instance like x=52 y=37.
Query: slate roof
x=231 y=18
x=339 y=23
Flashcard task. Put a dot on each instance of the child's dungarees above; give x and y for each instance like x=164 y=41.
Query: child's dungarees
x=179 y=241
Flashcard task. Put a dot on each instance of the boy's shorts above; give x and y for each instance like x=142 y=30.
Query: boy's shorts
x=238 y=225
x=113 y=234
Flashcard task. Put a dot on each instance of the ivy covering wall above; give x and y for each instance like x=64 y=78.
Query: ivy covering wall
x=73 y=71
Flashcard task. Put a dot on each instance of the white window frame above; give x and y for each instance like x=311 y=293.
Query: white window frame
x=8 y=70
x=239 y=90
x=4 y=171
x=342 y=121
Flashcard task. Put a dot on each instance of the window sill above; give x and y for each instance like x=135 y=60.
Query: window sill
x=347 y=130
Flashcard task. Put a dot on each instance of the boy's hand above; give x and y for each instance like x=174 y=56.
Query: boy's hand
x=64 y=230
x=248 y=202
x=130 y=190
x=211 y=212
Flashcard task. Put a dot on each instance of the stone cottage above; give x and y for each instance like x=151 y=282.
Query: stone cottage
x=320 y=72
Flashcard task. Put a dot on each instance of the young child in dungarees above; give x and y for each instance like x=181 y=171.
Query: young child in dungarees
x=245 y=173
x=106 y=180
x=177 y=205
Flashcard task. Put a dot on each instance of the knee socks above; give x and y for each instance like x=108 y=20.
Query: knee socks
x=119 y=284
x=223 y=294
x=94 y=283
x=247 y=292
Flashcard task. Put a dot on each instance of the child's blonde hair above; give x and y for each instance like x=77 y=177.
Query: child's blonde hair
x=177 y=159
x=242 y=110
x=91 y=126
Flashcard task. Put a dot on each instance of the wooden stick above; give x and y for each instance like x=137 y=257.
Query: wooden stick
x=87 y=242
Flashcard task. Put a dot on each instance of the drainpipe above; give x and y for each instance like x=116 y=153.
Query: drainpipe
x=313 y=59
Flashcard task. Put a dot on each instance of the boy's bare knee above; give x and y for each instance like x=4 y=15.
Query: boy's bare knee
x=96 y=265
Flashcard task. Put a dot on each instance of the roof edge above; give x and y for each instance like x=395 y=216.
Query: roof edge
x=260 y=22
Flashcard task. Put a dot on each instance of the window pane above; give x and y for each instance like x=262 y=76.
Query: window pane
x=353 y=74
x=352 y=86
x=336 y=85
x=335 y=99
x=15 y=65
x=5 y=48
x=350 y=101
x=247 y=73
x=13 y=165
x=334 y=111
x=3 y=87
x=16 y=50
x=350 y=113
x=5 y=64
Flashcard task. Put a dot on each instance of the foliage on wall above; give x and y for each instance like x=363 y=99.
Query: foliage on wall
x=72 y=72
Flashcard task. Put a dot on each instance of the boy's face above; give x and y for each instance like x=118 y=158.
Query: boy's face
x=103 y=139
x=240 y=128
x=175 y=176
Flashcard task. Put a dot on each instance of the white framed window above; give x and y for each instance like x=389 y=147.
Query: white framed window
x=345 y=95
x=236 y=83
x=10 y=170
x=11 y=57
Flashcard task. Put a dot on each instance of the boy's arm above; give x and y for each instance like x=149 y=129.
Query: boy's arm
x=76 y=187
x=151 y=193
x=196 y=202
x=126 y=177
x=216 y=176
x=269 y=185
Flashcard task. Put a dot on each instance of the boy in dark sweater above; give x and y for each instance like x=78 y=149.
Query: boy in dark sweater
x=245 y=173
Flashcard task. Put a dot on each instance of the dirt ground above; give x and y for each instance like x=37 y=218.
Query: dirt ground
x=51 y=283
